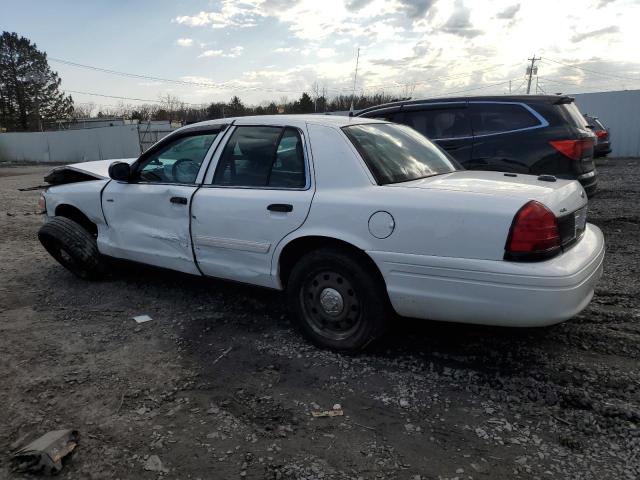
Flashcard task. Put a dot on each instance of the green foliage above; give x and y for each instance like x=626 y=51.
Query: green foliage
x=29 y=89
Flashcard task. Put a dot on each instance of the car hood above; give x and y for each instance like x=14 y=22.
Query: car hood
x=560 y=196
x=78 y=172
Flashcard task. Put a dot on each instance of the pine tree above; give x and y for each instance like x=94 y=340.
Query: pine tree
x=29 y=89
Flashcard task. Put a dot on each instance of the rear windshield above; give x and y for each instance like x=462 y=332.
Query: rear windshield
x=396 y=153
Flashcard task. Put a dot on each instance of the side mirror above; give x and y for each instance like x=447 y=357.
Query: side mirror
x=120 y=171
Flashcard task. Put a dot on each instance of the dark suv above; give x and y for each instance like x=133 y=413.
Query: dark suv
x=534 y=134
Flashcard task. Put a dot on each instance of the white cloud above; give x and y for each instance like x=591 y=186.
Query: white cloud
x=184 y=42
x=211 y=53
x=235 y=52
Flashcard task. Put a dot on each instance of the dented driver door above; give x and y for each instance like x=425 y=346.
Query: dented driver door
x=148 y=217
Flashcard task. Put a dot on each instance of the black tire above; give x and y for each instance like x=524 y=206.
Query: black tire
x=73 y=247
x=349 y=321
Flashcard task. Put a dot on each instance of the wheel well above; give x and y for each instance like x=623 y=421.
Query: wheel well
x=73 y=213
x=299 y=247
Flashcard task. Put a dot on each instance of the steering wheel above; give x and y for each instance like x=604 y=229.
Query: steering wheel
x=185 y=170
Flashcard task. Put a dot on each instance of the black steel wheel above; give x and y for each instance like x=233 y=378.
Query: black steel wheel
x=337 y=301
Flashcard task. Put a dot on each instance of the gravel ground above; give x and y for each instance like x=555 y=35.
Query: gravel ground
x=432 y=401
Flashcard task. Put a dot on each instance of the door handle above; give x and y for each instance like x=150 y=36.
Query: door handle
x=179 y=200
x=450 y=146
x=280 y=207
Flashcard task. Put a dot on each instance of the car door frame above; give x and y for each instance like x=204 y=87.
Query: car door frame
x=112 y=247
x=267 y=279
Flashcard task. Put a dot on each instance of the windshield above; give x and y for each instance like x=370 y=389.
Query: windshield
x=396 y=153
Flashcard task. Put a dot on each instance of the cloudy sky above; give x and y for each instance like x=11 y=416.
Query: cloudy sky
x=267 y=49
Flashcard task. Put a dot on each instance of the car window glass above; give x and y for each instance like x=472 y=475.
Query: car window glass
x=439 y=123
x=490 y=118
x=396 y=153
x=247 y=158
x=288 y=168
x=177 y=162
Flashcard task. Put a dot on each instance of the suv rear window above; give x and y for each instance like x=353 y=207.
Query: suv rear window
x=397 y=153
x=488 y=118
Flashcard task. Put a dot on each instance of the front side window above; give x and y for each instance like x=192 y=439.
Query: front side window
x=177 y=162
x=262 y=157
x=439 y=123
x=488 y=118
x=396 y=153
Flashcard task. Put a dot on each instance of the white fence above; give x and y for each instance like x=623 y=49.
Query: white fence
x=82 y=145
x=620 y=112
x=70 y=146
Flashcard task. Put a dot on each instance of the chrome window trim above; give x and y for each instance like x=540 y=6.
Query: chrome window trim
x=208 y=180
x=543 y=121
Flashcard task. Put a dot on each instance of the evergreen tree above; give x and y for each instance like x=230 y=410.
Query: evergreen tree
x=29 y=89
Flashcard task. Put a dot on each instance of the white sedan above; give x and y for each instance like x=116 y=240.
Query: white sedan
x=354 y=218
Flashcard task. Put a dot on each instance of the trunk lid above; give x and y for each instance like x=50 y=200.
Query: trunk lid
x=562 y=197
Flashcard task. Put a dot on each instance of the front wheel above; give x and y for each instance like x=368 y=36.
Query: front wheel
x=337 y=301
x=73 y=247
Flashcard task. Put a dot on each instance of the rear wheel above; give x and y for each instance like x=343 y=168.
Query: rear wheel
x=337 y=301
x=73 y=247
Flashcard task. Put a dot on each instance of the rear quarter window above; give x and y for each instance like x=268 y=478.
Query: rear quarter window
x=488 y=118
x=572 y=114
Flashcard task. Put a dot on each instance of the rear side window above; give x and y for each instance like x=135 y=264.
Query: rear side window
x=572 y=111
x=439 y=123
x=488 y=118
x=262 y=157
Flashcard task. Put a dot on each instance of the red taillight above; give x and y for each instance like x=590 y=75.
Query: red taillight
x=601 y=133
x=574 y=149
x=42 y=204
x=534 y=233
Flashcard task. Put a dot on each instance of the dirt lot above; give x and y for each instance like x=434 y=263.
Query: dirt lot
x=432 y=401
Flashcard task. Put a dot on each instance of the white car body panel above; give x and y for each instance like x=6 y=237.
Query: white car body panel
x=443 y=258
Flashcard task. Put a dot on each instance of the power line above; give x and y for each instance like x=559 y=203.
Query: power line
x=222 y=86
x=590 y=71
x=129 y=98
x=230 y=85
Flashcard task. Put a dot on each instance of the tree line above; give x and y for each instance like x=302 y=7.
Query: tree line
x=31 y=97
x=171 y=108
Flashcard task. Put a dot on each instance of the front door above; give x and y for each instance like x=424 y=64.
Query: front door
x=260 y=191
x=148 y=218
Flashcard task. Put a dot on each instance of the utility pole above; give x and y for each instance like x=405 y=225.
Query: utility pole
x=355 y=77
x=532 y=70
x=509 y=87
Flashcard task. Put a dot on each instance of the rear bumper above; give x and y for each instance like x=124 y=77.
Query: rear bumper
x=492 y=292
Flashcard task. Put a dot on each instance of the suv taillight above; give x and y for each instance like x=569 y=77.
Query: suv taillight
x=534 y=234
x=601 y=133
x=574 y=149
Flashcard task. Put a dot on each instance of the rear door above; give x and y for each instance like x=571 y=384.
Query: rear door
x=260 y=191
x=447 y=124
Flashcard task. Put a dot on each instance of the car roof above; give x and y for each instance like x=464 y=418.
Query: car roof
x=301 y=120
x=478 y=98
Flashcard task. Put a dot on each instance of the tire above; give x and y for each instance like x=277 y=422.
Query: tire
x=337 y=301
x=73 y=247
